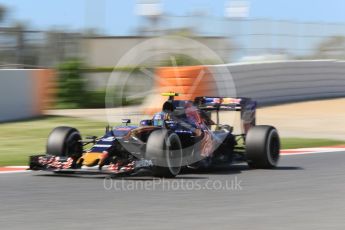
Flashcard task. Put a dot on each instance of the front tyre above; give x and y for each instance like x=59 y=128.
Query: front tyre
x=262 y=147
x=165 y=151
x=64 y=141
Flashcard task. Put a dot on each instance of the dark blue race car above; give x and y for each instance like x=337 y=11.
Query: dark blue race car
x=182 y=134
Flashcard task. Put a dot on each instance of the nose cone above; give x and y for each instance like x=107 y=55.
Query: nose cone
x=91 y=159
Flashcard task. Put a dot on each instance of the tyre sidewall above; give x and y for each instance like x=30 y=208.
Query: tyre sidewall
x=262 y=147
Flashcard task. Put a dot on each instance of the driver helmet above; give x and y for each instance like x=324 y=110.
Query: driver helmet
x=159 y=118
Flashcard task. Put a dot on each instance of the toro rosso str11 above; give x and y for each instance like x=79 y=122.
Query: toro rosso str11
x=183 y=134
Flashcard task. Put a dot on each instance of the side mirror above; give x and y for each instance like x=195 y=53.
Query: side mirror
x=126 y=121
x=145 y=122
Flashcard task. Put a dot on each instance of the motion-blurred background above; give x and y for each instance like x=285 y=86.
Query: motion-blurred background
x=59 y=55
x=44 y=34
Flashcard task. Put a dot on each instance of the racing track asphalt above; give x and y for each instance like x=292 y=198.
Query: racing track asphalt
x=305 y=192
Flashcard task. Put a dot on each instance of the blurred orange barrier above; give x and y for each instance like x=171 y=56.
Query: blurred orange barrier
x=44 y=93
x=180 y=71
x=183 y=90
x=176 y=81
x=189 y=81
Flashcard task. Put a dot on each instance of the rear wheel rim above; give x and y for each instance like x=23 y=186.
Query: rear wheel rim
x=174 y=154
x=273 y=147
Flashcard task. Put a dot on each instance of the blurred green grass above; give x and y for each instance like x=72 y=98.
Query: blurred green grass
x=19 y=140
x=291 y=143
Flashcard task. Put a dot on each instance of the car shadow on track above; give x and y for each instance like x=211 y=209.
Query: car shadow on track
x=235 y=169
x=45 y=174
x=186 y=174
x=288 y=168
x=225 y=170
x=144 y=177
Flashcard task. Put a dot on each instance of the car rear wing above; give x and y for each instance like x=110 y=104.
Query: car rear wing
x=225 y=103
x=246 y=106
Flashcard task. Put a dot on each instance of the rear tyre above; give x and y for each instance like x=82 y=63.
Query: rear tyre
x=165 y=151
x=262 y=147
x=64 y=141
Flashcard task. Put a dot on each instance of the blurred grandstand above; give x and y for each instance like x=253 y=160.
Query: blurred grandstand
x=233 y=39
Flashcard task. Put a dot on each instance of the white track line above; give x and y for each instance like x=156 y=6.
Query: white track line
x=306 y=151
x=13 y=169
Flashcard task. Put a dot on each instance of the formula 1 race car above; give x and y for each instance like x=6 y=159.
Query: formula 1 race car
x=182 y=135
